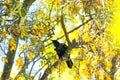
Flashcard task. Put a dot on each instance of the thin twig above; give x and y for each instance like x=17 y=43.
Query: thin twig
x=33 y=66
x=3 y=51
x=39 y=70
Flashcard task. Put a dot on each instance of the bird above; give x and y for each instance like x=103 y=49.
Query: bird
x=61 y=48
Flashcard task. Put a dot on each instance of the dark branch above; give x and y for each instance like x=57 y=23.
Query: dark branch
x=64 y=29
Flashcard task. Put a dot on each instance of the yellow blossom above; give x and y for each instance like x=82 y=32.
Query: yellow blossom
x=3 y=59
x=21 y=48
x=108 y=77
x=19 y=77
x=7 y=1
x=31 y=55
x=93 y=46
x=40 y=15
x=87 y=37
x=23 y=35
x=101 y=75
x=62 y=69
x=86 y=73
x=20 y=4
x=27 y=46
x=53 y=69
x=77 y=77
x=111 y=54
x=36 y=29
x=34 y=40
x=23 y=31
x=12 y=44
x=19 y=62
x=75 y=10
x=41 y=33
x=48 y=1
x=4 y=34
x=108 y=64
x=106 y=48
x=57 y=1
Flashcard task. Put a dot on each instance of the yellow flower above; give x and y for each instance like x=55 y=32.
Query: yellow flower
x=57 y=1
x=108 y=64
x=19 y=62
x=108 y=77
x=22 y=35
x=4 y=34
x=34 y=40
x=3 y=59
x=36 y=29
x=40 y=15
x=62 y=69
x=31 y=55
x=77 y=77
x=20 y=4
x=12 y=44
x=87 y=37
x=101 y=75
x=111 y=54
x=48 y=1
x=27 y=46
x=7 y=1
x=23 y=31
x=93 y=46
x=75 y=10
x=53 y=68
x=21 y=48
x=41 y=33
x=19 y=77
x=86 y=73
x=106 y=48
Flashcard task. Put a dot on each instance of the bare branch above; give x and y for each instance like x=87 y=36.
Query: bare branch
x=64 y=29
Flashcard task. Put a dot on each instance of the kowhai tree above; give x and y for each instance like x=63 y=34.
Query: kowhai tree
x=28 y=27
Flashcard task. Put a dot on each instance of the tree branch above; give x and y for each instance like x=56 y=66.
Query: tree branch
x=48 y=70
x=64 y=29
x=72 y=30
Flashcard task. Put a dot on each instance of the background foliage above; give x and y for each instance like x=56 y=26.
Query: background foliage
x=90 y=28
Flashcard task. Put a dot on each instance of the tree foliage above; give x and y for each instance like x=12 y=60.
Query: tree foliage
x=88 y=27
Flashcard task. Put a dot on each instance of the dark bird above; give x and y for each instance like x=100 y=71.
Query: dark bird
x=61 y=48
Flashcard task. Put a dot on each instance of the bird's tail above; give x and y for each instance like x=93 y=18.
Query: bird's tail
x=69 y=63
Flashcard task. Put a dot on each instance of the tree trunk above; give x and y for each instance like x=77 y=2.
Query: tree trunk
x=8 y=66
x=11 y=54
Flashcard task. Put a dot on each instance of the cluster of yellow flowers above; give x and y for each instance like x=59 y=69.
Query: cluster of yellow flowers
x=3 y=59
x=7 y=1
x=23 y=47
x=19 y=77
x=38 y=30
x=31 y=55
x=4 y=34
x=19 y=62
x=12 y=44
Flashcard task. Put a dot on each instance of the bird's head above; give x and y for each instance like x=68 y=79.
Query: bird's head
x=56 y=43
